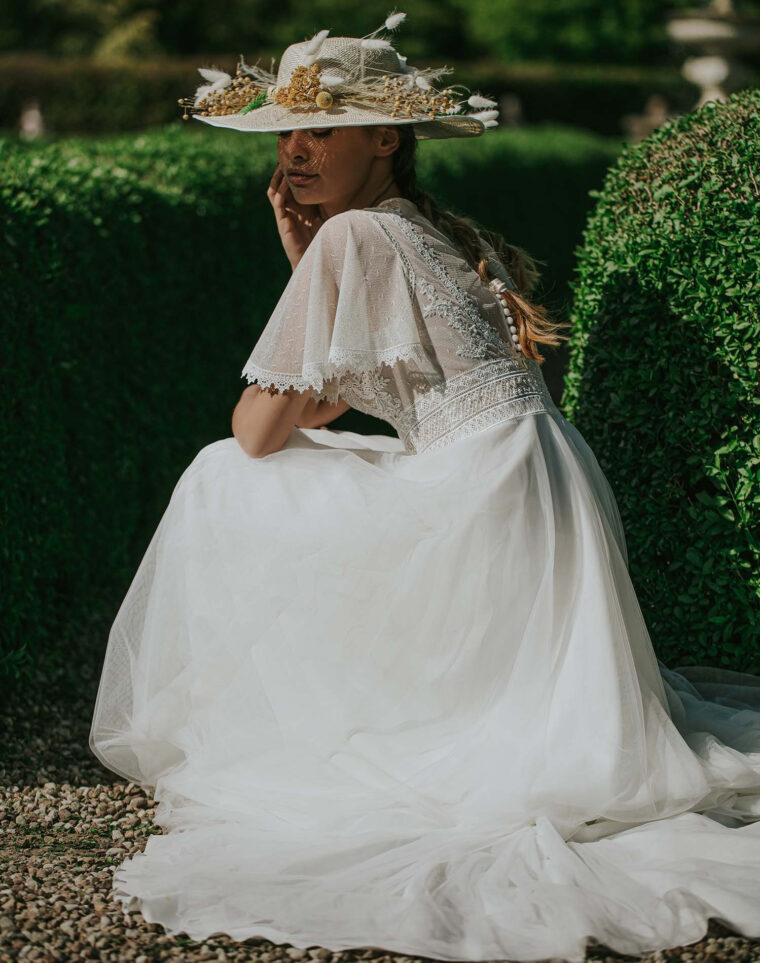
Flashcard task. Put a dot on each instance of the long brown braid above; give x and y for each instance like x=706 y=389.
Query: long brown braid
x=532 y=321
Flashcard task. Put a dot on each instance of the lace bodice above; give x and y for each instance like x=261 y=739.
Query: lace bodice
x=384 y=312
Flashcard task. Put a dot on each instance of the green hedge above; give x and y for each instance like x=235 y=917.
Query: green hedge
x=85 y=96
x=137 y=273
x=664 y=378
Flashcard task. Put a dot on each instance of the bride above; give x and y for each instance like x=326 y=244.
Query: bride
x=398 y=692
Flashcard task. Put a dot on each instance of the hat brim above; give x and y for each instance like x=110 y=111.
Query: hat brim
x=275 y=118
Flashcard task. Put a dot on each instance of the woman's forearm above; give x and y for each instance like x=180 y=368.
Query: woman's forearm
x=262 y=420
x=306 y=420
x=323 y=413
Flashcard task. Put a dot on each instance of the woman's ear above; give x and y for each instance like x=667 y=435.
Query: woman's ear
x=386 y=139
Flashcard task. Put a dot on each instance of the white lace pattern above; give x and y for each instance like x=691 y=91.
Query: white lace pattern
x=384 y=312
x=472 y=401
x=460 y=309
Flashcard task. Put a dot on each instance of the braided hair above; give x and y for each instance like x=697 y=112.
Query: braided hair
x=532 y=321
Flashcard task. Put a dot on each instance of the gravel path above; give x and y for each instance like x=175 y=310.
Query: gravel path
x=65 y=823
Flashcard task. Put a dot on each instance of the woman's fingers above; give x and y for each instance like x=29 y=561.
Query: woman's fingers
x=296 y=222
x=276 y=185
x=281 y=198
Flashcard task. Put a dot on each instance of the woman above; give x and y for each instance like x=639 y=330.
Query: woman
x=398 y=692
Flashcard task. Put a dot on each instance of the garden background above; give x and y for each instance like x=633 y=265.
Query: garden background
x=140 y=258
x=139 y=261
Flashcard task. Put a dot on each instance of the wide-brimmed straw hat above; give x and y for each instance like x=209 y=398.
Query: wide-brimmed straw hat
x=335 y=81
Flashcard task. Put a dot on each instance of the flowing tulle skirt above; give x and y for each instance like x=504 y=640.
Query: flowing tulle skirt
x=409 y=702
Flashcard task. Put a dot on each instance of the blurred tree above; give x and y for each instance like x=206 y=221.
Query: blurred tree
x=588 y=31
x=17 y=25
x=127 y=31
x=600 y=31
x=141 y=28
x=432 y=30
x=565 y=30
x=226 y=26
x=72 y=27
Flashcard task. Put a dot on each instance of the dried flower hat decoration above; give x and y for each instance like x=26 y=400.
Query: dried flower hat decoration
x=330 y=81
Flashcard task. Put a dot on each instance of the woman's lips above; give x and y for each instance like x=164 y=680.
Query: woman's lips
x=301 y=178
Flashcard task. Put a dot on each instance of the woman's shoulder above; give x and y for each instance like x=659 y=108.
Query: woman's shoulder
x=351 y=231
x=354 y=219
x=394 y=212
x=394 y=232
x=371 y=234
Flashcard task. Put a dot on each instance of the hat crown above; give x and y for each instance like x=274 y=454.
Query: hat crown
x=341 y=55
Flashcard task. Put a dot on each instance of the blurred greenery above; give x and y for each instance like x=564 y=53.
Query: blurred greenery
x=138 y=273
x=664 y=374
x=92 y=96
x=613 y=32
x=579 y=31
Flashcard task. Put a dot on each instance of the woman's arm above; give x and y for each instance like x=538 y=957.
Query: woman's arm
x=316 y=414
x=262 y=420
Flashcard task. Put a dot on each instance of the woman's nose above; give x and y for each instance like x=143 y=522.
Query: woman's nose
x=297 y=146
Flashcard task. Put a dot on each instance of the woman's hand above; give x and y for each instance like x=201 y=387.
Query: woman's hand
x=297 y=223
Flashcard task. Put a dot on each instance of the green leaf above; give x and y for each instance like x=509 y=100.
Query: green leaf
x=257 y=101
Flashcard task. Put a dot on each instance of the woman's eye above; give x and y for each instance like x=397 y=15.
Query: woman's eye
x=317 y=132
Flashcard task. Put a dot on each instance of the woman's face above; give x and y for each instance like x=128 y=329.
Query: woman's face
x=345 y=162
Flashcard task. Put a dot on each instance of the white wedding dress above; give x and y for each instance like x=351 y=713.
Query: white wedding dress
x=398 y=692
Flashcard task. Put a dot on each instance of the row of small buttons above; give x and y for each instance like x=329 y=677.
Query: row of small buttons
x=497 y=287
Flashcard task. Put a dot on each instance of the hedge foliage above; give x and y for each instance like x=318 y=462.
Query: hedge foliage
x=137 y=273
x=664 y=377
x=85 y=96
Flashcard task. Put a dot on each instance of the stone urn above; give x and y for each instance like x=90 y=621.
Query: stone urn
x=719 y=36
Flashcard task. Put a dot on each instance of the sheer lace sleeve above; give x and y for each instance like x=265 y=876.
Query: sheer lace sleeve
x=347 y=310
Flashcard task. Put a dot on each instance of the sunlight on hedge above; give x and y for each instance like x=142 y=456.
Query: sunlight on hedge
x=664 y=378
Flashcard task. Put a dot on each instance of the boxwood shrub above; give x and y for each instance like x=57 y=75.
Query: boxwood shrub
x=663 y=377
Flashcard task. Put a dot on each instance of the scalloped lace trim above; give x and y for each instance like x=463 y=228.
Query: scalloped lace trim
x=325 y=379
x=492 y=392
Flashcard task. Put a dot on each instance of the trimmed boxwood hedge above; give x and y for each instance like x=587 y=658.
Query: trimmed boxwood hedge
x=137 y=273
x=664 y=381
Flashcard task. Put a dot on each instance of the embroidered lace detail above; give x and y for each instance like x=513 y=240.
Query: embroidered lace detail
x=371 y=392
x=411 y=277
x=495 y=391
x=410 y=377
x=461 y=310
x=346 y=367
x=376 y=393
